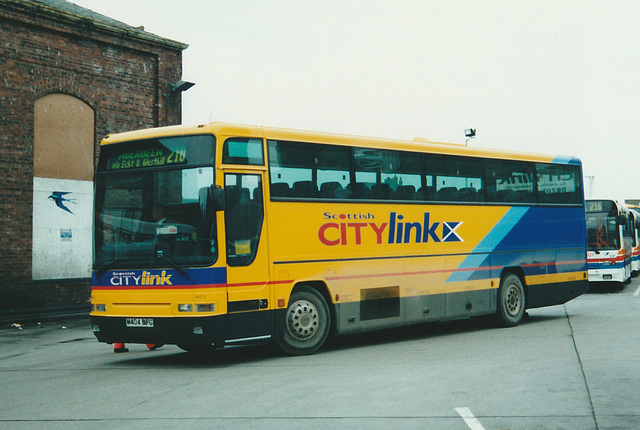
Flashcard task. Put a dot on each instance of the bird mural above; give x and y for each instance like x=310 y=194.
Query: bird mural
x=60 y=199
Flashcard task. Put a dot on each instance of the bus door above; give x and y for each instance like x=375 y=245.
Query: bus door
x=248 y=292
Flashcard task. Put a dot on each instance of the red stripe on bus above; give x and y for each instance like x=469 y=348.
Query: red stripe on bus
x=430 y=272
x=157 y=287
x=185 y=287
x=335 y=278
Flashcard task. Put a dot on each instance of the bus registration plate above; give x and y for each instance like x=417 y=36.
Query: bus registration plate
x=139 y=322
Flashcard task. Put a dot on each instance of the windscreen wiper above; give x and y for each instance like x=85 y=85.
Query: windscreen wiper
x=102 y=269
x=173 y=264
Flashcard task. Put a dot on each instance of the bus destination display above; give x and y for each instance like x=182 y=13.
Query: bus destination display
x=159 y=152
x=141 y=158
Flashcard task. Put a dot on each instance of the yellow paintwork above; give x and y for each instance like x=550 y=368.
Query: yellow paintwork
x=554 y=277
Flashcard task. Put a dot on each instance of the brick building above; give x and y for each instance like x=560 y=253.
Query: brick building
x=68 y=76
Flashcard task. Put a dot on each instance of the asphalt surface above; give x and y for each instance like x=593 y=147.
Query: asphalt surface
x=575 y=366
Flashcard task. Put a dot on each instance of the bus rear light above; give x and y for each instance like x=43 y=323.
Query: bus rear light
x=185 y=308
x=209 y=307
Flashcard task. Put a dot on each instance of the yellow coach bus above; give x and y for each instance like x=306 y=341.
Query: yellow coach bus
x=219 y=234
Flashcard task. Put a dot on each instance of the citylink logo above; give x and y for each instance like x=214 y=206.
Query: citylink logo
x=145 y=278
x=395 y=231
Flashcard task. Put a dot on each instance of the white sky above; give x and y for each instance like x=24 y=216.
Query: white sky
x=552 y=76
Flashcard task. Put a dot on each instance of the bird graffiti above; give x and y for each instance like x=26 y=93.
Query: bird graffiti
x=60 y=199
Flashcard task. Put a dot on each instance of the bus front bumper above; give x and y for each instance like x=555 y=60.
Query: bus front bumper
x=607 y=275
x=208 y=330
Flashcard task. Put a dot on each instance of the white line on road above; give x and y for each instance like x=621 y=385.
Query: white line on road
x=471 y=421
x=637 y=293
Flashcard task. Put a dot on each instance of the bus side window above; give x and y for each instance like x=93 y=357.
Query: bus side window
x=242 y=150
x=559 y=184
x=453 y=179
x=509 y=182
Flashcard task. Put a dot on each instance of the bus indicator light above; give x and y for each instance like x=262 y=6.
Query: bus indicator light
x=209 y=307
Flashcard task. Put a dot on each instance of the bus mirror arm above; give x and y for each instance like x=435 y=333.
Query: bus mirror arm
x=216 y=198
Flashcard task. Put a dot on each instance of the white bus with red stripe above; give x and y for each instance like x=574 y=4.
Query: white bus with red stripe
x=609 y=252
x=635 y=239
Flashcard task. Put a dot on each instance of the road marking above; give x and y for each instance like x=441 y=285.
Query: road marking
x=471 y=421
x=637 y=293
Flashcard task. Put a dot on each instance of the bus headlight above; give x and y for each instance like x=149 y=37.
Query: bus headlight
x=99 y=308
x=185 y=308
x=204 y=307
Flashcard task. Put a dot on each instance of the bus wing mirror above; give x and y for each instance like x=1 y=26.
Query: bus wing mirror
x=216 y=198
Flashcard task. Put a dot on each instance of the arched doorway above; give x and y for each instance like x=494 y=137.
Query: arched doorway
x=63 y=162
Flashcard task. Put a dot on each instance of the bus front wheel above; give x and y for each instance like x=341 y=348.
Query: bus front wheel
x=307 y=322
x=510 y=301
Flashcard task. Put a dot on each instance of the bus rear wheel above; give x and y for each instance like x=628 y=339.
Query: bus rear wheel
x=511 y=303
x=306 y=322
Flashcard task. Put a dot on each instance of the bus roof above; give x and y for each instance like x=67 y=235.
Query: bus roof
x=225 y=130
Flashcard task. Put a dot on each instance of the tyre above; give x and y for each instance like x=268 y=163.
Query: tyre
x=511 y=303
x=307 y=322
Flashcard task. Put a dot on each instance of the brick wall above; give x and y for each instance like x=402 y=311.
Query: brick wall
x=122 y=74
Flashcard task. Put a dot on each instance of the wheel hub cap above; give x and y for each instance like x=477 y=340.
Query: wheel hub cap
x=302 y=320
x=513 y=300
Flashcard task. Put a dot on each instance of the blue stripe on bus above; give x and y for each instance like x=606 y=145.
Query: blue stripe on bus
x=492 y=240
x=555 y=240
x=127 y=277
x=562 y=159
